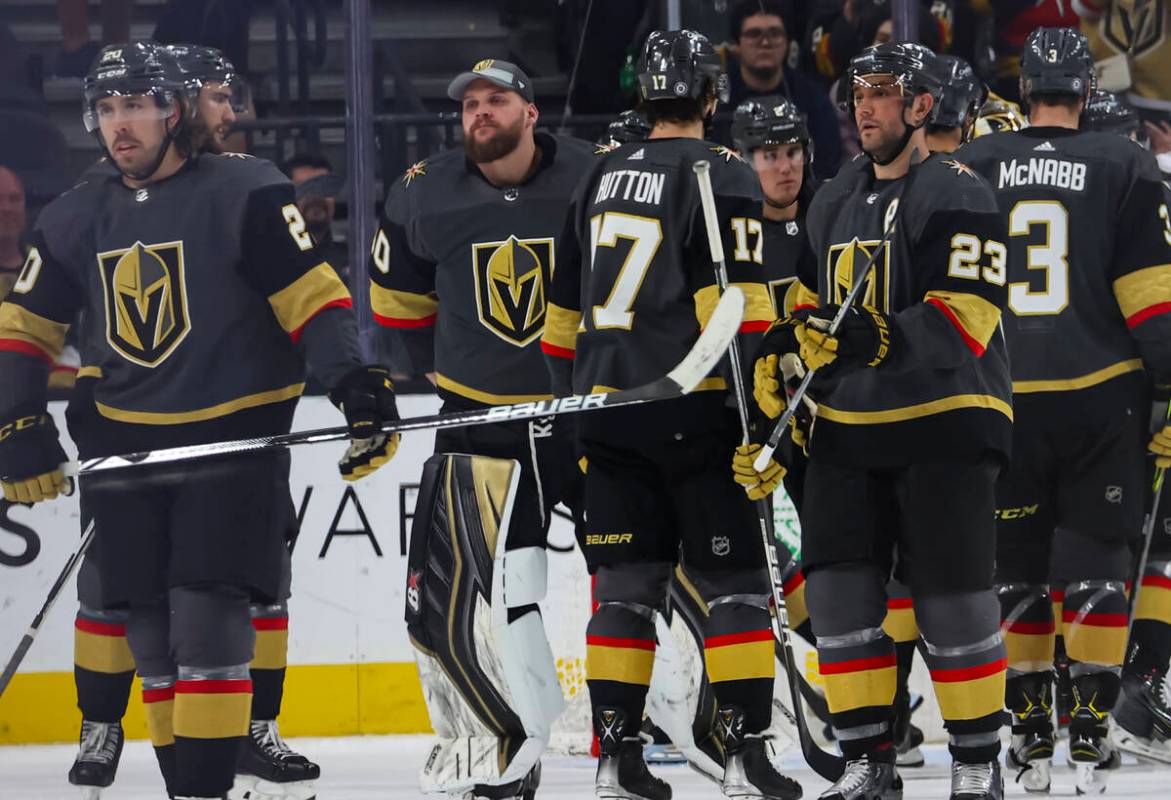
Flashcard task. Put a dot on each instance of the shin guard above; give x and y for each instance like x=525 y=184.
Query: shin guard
x=103 y=666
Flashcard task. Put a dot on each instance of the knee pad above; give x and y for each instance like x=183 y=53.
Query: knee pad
x=1095 y=618
x=956 y=620
x=845 y=597
x=147 y=631
x=634 y=584
x=1027 y=625
x=1080 y=556
x=212 y=625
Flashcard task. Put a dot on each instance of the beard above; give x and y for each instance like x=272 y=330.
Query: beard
x=888 y=146
x=498 y=146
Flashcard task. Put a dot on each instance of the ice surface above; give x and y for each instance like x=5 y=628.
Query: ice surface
x=383 y=767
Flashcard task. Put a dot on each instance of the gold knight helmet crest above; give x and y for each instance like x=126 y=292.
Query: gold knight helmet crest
x=510 y=286
x=146 y=301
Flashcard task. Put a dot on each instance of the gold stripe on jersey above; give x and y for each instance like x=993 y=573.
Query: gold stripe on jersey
x=976 y=315
x=402 y=309
x=201 y=414
x=456 y=387
x=798 y=295
x=18 y=324
x=90 y=372
x=711 y=384
x=1083 y=382
x=561 y=326
x=758 y=306
x=1144 y=293
x=302 y=299
x=940 y=406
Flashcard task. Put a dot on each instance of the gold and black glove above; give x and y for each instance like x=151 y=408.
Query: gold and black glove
x=864 y=339
x=366 y=396
x=757 y=484
x=31 y=459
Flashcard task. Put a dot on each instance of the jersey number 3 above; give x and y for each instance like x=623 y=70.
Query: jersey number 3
x=645 y=234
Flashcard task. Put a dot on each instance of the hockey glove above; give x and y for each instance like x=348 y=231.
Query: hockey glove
x=863 y=339
x=1161 y=446
x=773 y=388
x=778 y=340
x=758 y=485
x=31 y=459
x=366 y=396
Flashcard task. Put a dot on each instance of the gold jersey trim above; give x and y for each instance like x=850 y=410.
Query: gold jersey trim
x=90 y=372
x=201 y=414
x=758 y=305
x=298 y=302
x=930 y=408
x=22 y=325
x=1143 y=289
x=706 y=385
x=561 y=326
x=393 y=304
x=447 y=383
x=1083 y=382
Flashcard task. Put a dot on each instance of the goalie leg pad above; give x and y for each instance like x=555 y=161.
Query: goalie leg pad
x=488 y=674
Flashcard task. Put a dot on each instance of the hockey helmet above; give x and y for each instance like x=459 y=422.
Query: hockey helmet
x=998 y=114
x=678 y=64
x=140 y=68
x=759 y=121
x=629 y=126
x=963 y=94
x=1109 y=113
x=912 y=66
x=201 y=65
x=1056 y=61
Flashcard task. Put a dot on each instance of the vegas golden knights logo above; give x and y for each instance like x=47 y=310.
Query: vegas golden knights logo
x=844 y=259
x=1136 y=26
x=510 y=286
x=146 y=301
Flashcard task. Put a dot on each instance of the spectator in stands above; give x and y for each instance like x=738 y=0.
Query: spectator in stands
x=77 y=50
x=760 y=68
x=13 y=219
x=317 y=190
x=1015 y=20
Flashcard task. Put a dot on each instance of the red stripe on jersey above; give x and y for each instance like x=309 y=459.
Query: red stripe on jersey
x=615 y=641
x=559 y=352
x=1157 y=580
x=1032 y=628
x=793 y=584
x=1139 y=317
x=232 y=686
x=341 y=302
x=17 y=346
x=858 y=665
x=100 y=628
x=900 y=603
x=158 y=695
x=755 y=326
x=1097 y=620
x=804 y=307
x=972 y=344
x=969 y=673
x=763 y=635
x=270 y=624
x=403 y=322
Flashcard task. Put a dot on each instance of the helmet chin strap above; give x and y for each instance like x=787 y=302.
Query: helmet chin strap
x=168 y=138
x=769 y=202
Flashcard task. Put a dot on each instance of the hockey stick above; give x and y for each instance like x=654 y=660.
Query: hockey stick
x=824 y=764
x=1148 y=534
x=704 y=355
x=26 y=641
x=774 y=438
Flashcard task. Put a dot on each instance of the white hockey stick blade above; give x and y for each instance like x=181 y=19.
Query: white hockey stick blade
x=703 y=357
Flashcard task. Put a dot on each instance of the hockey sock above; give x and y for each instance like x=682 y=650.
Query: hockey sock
x=900 y=626
x=1094 y=622
x=103 y=667
x=1027 y=622
x=212 y=711
x=794 y=588
x=158 y=700
x=739 y=657
x=271 y=624
x=620 y=653
x=1150 y=647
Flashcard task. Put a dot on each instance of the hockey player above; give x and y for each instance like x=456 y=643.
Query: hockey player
x=913 y=425
x=189 y=337
x=629 y=126
x=635 y=275
x=460 y=266
x=954 y=121
x=1089 y=250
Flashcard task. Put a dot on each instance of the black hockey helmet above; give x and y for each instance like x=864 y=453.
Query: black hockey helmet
x=963 y=94
x=629 y=126
x=679 y=64
x=1056 y=61
x=139 y=68
x=1109 y=113
x=912 y=65
x=769 y=120
x=201 y=65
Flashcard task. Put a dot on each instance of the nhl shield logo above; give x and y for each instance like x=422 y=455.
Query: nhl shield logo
x=510 y=286
x=146 y=301
x=845 y=258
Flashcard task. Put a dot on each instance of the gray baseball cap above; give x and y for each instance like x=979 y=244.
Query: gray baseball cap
x=502 y=73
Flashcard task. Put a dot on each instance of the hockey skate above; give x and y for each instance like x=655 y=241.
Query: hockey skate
x=269 y=770
x=524 y=789
x=1132 y=723
x=866 y=780
x=1031 y=750
x=97 y=759
x=622 y=771
x=1089 y=748
x=977 y=781
x=747 y=770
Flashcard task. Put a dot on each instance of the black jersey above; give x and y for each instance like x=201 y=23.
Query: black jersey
x=945 y=390
x=201 y=296
x=471 y=262
x=786 y=255
x=635 y=280
x=1089 y=264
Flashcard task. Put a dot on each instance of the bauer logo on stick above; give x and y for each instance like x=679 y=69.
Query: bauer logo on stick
x=146 y=301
